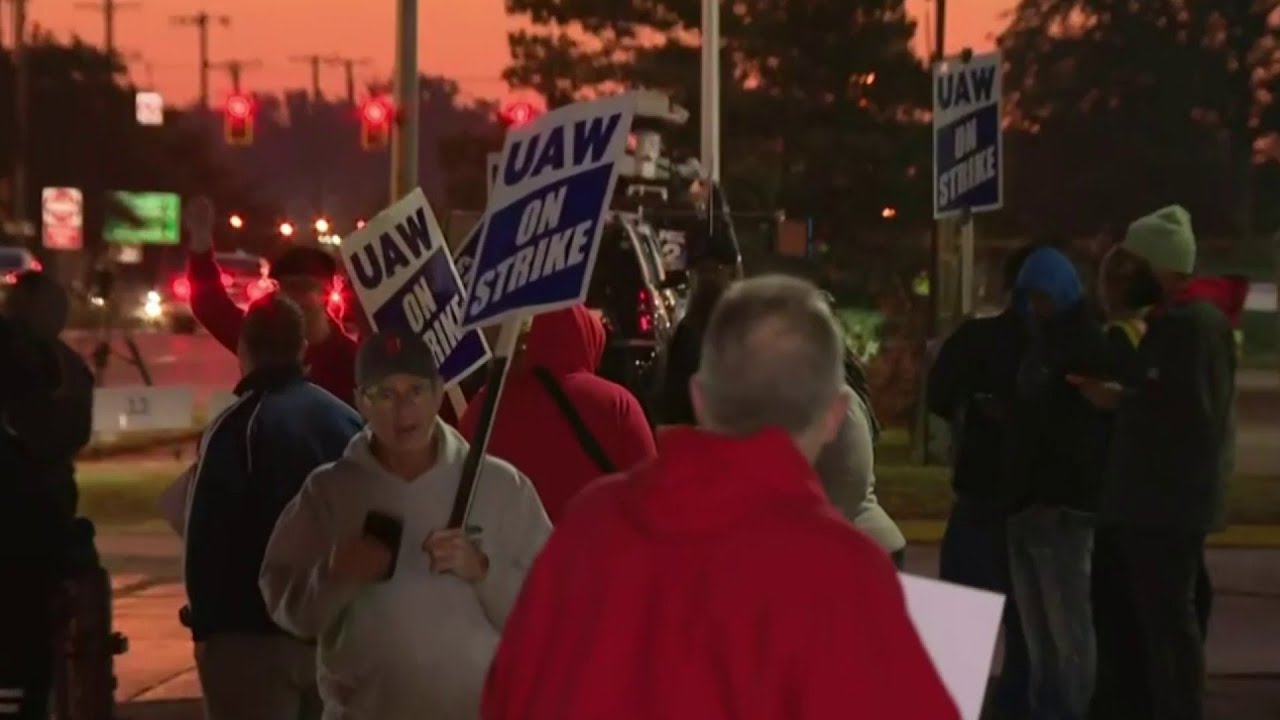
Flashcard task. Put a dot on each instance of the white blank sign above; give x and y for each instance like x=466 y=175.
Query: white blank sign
x=958 y=626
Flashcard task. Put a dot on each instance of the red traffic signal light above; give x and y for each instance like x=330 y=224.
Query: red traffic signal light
x=376 y=115
x=516 y=114
x=238 y=120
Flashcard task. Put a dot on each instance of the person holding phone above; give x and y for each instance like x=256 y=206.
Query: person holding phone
x=408 y=610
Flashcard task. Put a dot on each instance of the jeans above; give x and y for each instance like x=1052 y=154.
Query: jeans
x=1050 y=554
x=1120 y=692
x=975 y=553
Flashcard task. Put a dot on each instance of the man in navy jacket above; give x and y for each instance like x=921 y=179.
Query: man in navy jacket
x=253 y=459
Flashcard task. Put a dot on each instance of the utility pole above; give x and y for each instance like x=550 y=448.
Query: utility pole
x=711 y=90
x=404 y=135
x=314 y=61
x=200 y=21
x=108 y=9
x=22 y=81
x=234 y=69
x=349 y=71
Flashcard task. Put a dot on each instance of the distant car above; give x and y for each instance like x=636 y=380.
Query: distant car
x=245 y=276
x=639 y=306
x=13 y=262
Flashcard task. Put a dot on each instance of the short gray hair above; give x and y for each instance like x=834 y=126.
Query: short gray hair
x=771 y=356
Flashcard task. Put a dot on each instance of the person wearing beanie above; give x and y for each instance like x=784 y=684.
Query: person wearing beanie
x=1171 y=455
x=407 y=611
x=304 y=274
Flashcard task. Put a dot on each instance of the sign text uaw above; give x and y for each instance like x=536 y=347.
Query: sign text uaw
x=967 y=143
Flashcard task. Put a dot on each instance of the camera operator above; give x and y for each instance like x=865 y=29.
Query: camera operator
x=46 y=398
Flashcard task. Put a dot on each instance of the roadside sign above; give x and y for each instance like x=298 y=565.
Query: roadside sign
x=141 y=408
x=968 y=145
x=62 y=218
x=158 y=219
x=400 y=268
x=149 y=108
x=546 y=214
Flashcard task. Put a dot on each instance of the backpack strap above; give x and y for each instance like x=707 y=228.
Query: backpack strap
x=585 y=438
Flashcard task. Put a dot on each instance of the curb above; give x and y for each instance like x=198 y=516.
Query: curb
x=929 y=532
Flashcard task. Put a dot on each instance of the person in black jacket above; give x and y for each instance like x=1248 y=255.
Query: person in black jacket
x=46 y=409
x=684 y=352
x=253 y=459
x=1054 y=451
x=971 y=384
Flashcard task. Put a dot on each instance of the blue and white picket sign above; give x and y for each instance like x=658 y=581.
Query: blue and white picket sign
x=464 y=256
x=968 y=145
x=546 y=213
x=400 y=268
x=491 y=163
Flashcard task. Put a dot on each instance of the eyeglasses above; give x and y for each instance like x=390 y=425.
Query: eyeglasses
x=385 y=398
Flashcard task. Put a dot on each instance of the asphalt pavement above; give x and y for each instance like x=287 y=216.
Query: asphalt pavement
x=158 y=680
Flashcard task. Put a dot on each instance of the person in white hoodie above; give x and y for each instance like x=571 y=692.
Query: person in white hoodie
x=846 y=467
x=408 y=613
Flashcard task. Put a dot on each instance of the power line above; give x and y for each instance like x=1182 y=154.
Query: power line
x=349 y=69
x=200 y=21
x=234 y=69
x=108 y=9
x=314 y=61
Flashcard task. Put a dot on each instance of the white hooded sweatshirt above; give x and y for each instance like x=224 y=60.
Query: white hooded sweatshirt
x=417 y=646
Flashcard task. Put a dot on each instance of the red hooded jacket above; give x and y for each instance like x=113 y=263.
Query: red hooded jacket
x=331 y=362
x=532 y=433
x=1227 y=293
x=716 y=583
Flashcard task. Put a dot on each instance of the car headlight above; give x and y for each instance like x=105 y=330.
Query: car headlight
x=152 y=309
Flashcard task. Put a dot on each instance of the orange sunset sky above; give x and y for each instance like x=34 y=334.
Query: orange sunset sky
x=463 y=39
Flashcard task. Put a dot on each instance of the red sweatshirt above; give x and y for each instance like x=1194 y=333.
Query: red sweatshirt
x=331 y=362
x=532 y=433
x=718 y=583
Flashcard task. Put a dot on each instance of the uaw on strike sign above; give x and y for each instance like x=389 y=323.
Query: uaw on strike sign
x=545 y=216
x=400 y=268
x=967 y=143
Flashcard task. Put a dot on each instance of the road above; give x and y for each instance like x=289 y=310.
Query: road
x=157 y=679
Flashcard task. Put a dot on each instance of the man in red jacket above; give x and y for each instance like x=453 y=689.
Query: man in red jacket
x=558 y=422
x=717 y=581
x=304 y=274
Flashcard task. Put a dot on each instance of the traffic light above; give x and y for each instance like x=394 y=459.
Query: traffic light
x=515 y=114
x=375 y=123
x=238 y=120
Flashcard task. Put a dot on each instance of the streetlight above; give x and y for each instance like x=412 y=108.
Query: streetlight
x=322 y=226
x=286 y=229
x=236 y=221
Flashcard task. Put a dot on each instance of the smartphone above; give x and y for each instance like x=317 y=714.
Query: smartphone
x=388 y=530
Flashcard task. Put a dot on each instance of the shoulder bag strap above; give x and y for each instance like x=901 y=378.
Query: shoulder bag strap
x=585 y=438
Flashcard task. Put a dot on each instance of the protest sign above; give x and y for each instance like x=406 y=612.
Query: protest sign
x=492 y=160
x=968 y=145
x=464 y=256
x=545 y=216
x=958 y=626
x=401 y=271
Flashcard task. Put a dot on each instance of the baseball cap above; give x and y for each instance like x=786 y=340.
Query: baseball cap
x=394 y=352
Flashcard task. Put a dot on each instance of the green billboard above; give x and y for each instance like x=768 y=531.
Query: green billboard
x=156 y=218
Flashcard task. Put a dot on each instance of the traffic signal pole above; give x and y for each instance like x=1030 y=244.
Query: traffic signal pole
x=404 y=132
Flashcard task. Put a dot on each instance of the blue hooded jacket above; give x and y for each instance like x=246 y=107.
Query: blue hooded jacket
x=1053 y=274
x=1057 y=439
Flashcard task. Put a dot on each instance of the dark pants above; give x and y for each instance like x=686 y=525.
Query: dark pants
x=975 y=553
x=26 y=647
x=1050 y=554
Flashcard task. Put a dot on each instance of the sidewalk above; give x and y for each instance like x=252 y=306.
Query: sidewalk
x=157 y=679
